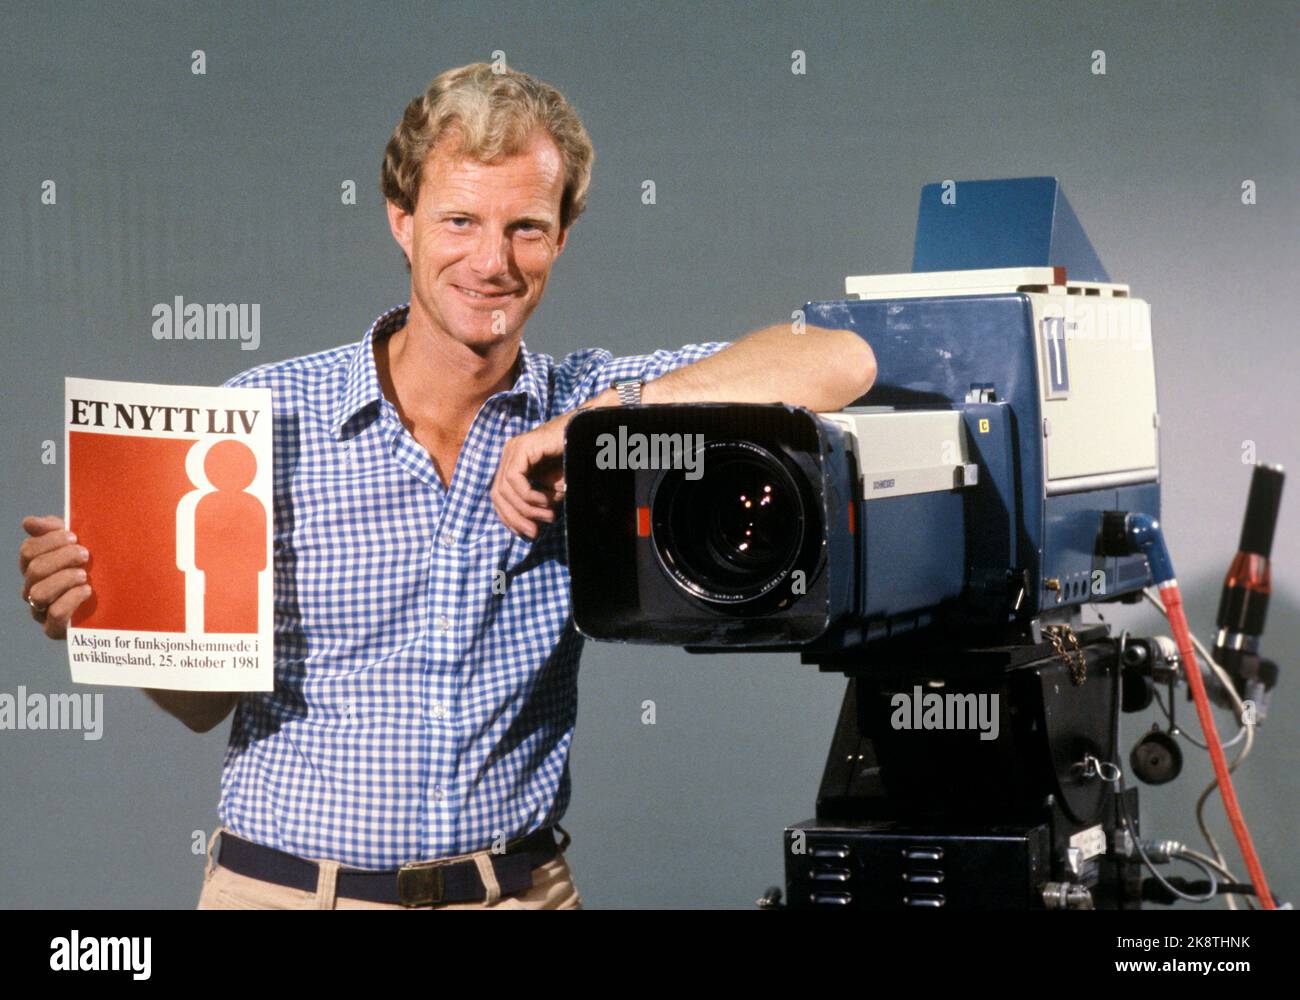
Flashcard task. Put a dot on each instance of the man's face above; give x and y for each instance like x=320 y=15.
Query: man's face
x=482 y=239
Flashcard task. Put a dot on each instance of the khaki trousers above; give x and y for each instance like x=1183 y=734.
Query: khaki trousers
x=553 y=889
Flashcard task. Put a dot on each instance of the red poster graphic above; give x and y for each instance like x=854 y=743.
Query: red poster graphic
x=121 y=485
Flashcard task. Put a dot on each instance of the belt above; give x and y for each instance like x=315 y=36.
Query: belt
x=421 y=883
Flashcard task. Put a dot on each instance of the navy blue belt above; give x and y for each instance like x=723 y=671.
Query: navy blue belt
x=421 y=883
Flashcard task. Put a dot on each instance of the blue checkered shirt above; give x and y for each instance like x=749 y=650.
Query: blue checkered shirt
x=425 y=656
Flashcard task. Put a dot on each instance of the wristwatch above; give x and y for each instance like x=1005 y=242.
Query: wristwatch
x=629 y=391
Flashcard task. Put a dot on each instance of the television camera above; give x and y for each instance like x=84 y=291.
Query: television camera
x=937 y=544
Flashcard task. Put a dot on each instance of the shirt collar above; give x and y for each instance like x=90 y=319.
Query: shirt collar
x=361 y=382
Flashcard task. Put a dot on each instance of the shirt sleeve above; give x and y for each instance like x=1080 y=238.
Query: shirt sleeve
x=599 y=369
x=249 y=376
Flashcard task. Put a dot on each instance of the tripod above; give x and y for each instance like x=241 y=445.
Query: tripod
x=918 y=808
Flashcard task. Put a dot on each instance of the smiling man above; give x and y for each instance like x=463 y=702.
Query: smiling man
x=414 y=752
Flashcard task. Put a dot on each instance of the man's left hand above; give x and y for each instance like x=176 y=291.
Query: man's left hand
x=529 y=484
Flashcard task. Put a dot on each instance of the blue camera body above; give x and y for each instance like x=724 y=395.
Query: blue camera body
x=1015 y=404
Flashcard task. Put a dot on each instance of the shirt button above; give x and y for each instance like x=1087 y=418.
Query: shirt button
x=448 y=540
x=439 y=710
x=437 y=795
x=443 y=623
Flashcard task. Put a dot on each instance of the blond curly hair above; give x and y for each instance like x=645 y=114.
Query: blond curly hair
x=491 y=111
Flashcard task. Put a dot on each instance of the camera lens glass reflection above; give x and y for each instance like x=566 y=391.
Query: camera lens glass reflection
x=734 y=533
x=748 y=512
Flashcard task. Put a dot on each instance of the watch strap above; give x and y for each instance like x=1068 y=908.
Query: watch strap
x=629 y=391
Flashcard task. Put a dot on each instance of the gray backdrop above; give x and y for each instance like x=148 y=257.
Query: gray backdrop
x=771 y=188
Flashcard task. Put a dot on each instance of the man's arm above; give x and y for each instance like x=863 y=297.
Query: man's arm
x=820 y=369
x=199 y=710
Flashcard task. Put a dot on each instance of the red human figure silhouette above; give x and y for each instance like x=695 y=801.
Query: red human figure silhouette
x=230 y=540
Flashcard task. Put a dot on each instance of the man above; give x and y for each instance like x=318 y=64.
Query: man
x=414 y=752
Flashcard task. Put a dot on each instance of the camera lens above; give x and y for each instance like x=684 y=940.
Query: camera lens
x=735 y=533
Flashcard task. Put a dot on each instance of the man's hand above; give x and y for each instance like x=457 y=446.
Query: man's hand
x=529 y=484
x=54 y=575
x=52 y=564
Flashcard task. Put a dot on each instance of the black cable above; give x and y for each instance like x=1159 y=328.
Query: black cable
x=1137 y=845
x=1154 y=892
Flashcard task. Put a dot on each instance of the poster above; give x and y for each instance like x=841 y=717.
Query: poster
x=169 y=488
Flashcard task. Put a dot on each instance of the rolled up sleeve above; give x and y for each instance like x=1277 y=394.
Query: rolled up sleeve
x=598 y=369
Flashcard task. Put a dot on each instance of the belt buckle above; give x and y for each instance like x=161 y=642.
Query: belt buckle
x=420 y=884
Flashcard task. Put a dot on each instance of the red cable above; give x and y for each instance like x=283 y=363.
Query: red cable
x=1183 y=636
